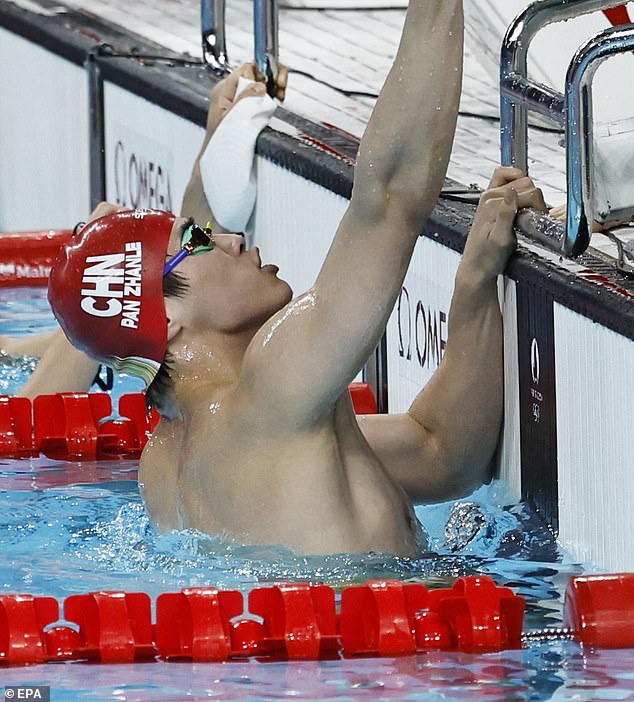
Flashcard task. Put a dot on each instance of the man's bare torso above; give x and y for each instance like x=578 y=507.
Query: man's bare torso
x=227 y=469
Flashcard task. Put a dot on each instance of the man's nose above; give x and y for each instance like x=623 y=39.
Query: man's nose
x=233 y=244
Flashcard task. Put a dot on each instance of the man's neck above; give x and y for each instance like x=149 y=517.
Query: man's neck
x=206 y=363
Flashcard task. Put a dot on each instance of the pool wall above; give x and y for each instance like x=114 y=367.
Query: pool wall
x=569 y=326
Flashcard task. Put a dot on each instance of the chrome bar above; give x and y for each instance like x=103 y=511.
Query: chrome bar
x=212 y=24
x=580 y=133
x=518 y=94
x=513 y=66
x=266 y=46
x=537 y=97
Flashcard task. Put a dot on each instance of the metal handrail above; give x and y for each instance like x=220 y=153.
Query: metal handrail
x=266 y=45
x=613 y=41
x=214 y=44
x=265 y=38
x=518 y=94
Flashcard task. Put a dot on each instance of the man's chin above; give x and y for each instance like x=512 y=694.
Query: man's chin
x=289 y=296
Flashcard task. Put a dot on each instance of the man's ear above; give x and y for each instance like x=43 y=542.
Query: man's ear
x=174 y=311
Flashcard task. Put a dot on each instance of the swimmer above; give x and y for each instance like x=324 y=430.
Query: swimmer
x=258 y=441
x=60 y=367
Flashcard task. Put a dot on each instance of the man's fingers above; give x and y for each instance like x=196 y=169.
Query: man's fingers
x=281 y=82
x=255 y=90
x=226 y=88
x=502 y=229
x=536 y=200
x=558 y=212
x=247 y=70
x=521 y=185
x=281 y=79
x=532 y=198
x=503 y=175
x=511 y=200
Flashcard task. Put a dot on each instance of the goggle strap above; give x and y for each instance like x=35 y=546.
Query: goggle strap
x=174 y=261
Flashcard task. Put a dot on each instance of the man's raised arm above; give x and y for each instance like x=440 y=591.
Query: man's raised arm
x=401 y=165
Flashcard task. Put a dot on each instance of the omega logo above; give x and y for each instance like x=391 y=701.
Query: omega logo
x=420 y=329
x=535 y=361
x=139 y=182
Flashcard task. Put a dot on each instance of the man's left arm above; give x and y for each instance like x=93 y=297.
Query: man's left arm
x=443 y=446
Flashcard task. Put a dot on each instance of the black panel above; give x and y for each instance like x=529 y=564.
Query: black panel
x=538 y=415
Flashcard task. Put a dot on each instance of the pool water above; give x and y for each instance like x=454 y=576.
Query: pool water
x=68 y=528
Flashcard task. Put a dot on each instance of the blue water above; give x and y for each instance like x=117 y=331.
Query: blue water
x=67 y=528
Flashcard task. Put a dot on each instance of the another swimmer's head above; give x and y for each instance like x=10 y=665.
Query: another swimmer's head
x=106 y=290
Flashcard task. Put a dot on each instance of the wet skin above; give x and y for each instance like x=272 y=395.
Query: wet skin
x=259 y=442
x=256 y=454
x=234 y=463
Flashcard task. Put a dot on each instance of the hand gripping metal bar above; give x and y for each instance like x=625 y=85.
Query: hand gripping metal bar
x=573 y=110
x=265 y=32
x=212 y=23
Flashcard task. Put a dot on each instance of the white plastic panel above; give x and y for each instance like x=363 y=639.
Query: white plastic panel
x=44 y=178
x=509 y=451
x=595 y=413
x=149 y=152
x=417 y=328
x=295 y=222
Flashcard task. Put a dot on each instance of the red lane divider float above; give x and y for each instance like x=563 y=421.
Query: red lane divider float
x=81 y=426
x=301 y=622
x=26 y=258
x=75 y=426
x=600 y=608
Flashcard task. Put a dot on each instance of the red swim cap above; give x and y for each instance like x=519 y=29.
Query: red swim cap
x=106 y=290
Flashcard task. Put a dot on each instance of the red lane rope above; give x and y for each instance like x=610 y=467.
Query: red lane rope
x=81 y=427
x=298 y=621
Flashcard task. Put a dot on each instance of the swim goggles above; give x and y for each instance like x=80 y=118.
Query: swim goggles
x=195 y=240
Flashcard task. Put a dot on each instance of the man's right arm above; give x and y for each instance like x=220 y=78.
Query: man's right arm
x=311 y=351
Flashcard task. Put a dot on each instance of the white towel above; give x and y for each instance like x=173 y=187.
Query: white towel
x=227 y=167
